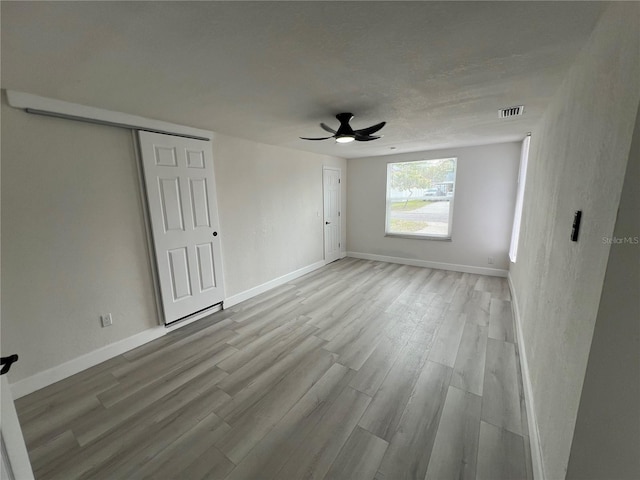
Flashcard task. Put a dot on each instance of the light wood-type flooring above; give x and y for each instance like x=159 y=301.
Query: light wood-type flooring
x=359 y=370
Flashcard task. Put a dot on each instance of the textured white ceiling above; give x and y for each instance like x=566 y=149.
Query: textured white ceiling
x=437 y=72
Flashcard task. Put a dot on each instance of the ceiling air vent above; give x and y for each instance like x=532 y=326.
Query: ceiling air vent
x=511 y=112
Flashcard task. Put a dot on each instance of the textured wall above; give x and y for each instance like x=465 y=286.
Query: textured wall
x=486 y=180
x=606 y=441
x=577 y=162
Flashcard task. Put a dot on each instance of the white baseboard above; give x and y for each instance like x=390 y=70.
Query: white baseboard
x=276 y=282
x=495 y=272
x=534 y=434
x=55 y=374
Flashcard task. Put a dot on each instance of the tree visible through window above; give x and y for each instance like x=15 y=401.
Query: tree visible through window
x=420 y=198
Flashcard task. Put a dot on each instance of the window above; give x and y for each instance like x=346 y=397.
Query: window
x=517 y=217
x=420 y=198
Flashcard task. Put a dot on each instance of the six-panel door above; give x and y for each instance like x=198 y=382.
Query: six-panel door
x=181 y=196
x=332 y=223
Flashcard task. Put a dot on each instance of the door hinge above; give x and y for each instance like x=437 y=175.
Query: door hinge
x=338 y=244
x=338 y=180
x=338 y=213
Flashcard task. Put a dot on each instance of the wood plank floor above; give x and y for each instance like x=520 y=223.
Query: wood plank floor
x=360 y=370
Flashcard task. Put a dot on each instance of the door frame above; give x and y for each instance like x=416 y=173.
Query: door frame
x=324 y=239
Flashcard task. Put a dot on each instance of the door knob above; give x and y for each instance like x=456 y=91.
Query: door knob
x=215 y=234
x=327 y=223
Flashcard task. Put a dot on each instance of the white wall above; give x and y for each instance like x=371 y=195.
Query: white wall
x=486 y=180
x=606 y=441
x=74 y=244
x=270 y=201
x=577 y=162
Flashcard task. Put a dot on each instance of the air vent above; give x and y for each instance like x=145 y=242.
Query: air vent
x=511 y=112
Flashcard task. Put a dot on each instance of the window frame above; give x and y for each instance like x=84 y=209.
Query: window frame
x=388 y=200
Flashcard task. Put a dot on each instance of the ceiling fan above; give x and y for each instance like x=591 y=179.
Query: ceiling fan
x=346 y=134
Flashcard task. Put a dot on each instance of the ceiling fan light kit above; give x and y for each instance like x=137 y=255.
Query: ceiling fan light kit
x=346 y=134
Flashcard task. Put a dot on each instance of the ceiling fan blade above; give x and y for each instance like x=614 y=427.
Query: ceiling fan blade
x=370 y=130
x=366 y=138
x=327 y=128
x=321 y=138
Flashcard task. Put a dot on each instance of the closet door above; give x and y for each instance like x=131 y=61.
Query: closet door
x=180 y=187
x=332 y=221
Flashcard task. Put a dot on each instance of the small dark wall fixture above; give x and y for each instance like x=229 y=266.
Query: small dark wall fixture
x=6 y=362
x=576 y=225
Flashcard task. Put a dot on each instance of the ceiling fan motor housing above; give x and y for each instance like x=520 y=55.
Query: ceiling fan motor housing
x=345 y=129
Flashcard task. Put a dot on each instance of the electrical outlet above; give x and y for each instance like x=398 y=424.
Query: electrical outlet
x=106 y=320
x=490 y=260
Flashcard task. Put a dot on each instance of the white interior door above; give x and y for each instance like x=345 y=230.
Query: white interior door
x=331 y=184
x=180 y=187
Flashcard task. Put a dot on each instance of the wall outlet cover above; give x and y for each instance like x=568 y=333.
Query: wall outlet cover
x=106 y=320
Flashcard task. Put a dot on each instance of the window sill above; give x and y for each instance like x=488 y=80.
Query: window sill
x=418 y=237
